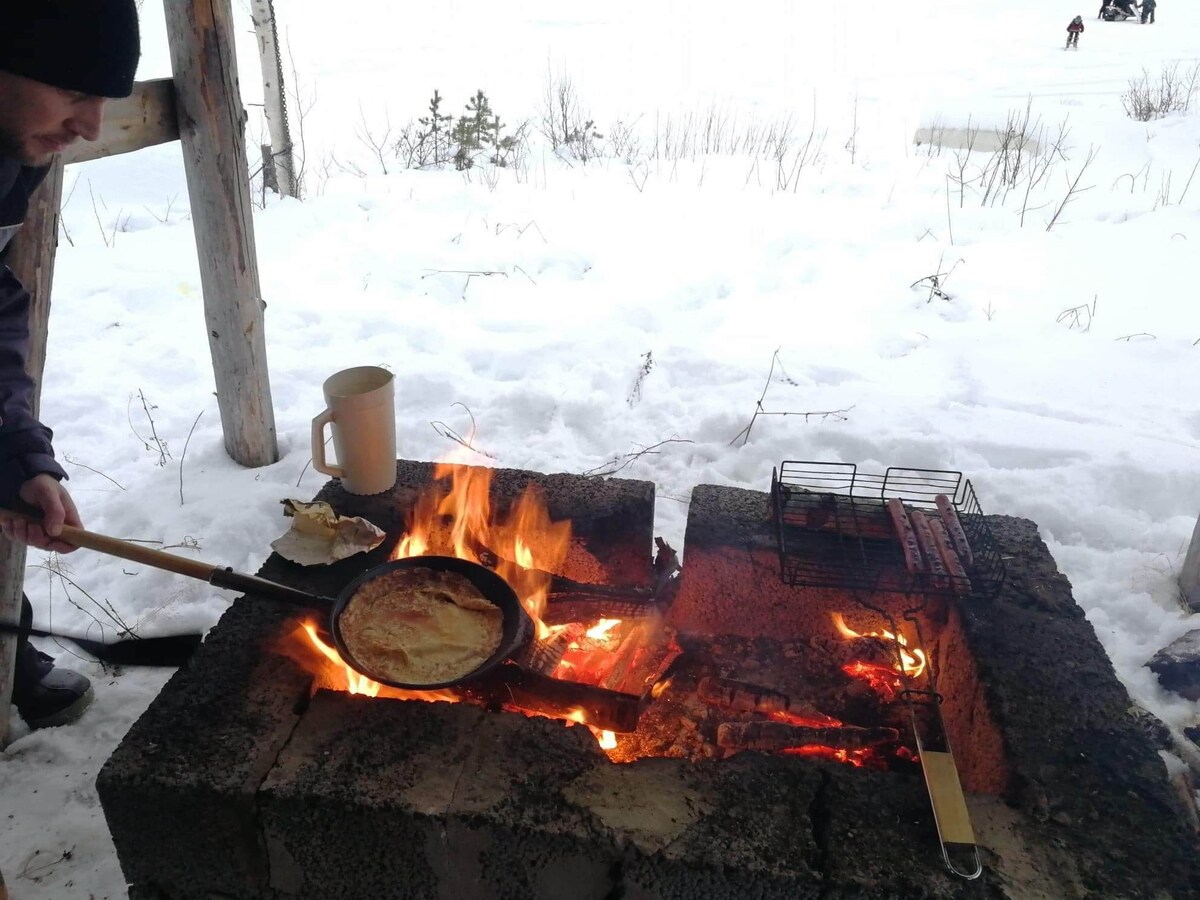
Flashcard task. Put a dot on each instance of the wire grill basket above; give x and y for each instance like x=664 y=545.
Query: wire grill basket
x=834 y=529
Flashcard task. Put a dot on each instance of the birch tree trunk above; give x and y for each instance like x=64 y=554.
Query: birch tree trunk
x=212 y=132
x=262 y=12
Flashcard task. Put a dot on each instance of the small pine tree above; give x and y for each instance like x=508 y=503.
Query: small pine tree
x=436 y=129
x=475 y=132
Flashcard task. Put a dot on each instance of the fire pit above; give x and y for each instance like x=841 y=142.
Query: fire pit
x=730 y=730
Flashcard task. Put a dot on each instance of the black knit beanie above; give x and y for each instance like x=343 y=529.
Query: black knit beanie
x=90 y=46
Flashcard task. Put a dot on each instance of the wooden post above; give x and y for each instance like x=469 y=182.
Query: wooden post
x=31 y=257
x=212 y=129
x=1189 y=577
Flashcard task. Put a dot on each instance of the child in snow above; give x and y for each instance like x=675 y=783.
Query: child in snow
x=1073 y=31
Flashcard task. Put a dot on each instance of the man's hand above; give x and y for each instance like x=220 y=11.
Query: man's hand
x=46 y=494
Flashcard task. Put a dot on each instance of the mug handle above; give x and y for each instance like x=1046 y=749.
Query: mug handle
x=318 y=445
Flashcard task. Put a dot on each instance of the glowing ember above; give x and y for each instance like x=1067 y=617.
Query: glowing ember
x=913 y=662
x=856 y=758
x=883 y=679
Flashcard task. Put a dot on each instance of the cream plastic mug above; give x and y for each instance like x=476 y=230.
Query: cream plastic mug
x=360 y=404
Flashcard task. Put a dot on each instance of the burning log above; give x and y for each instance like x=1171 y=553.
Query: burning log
x=562 y=588
x=585 y=606
x=510 y=685
x=771 y=736
x=543 y=656
x=725 y=693
x=624 y=656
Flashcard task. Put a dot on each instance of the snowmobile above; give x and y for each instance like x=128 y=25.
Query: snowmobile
x=1114 y=13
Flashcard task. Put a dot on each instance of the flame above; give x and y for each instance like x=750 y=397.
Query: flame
x=356 y=683
x=527 y=547
x=600 y=630
x=912 y=662
x=459 y=522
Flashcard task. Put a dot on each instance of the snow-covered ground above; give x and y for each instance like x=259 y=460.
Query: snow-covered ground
x=1060 y=375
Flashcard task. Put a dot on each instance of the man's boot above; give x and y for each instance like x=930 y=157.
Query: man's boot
x=44 y=695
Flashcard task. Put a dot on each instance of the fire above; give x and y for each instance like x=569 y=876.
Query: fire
x=355 y=683
x=606 y=739
x=912 y=662
x=525 y=547
x=527 y=544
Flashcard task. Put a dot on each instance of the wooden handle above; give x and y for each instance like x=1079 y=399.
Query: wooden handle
x=112 y=546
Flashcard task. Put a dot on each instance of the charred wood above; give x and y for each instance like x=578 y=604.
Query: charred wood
x=543 y=656
x=588 y=606
x=772 y=736
x=725 y=693
x=511 y=686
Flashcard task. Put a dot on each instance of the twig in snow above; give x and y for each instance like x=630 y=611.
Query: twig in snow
x=67 y=459
x=183 y=455
x=758 y=406
x=1073 y=187
x=446 y=431
x=1074 y=317
x=617 y=463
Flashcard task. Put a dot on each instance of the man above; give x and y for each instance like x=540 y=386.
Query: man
x=1148 y=7
x=59 y=61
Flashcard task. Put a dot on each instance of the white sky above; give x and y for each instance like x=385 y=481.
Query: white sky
x=703 y=262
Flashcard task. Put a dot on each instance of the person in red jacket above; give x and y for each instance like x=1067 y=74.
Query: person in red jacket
x=59 y=61
x=1074 y=30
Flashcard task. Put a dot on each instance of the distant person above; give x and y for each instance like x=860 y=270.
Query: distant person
x=59 y=61
x=1074 y=30
x=1148 y=11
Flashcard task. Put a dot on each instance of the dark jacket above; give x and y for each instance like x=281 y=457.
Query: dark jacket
x=1076 y=26
x=25 y=448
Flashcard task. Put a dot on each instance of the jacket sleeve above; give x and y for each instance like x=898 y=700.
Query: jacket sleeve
x=25 y=443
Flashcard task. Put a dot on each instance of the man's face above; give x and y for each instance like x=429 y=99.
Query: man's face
x=38 y=120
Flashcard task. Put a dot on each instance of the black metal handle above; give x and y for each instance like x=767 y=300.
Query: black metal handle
x=251 y=584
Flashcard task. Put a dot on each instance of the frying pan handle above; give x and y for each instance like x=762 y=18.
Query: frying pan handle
x=124 y=549
x=250 y=584
x=318 y=445
x=222 y=578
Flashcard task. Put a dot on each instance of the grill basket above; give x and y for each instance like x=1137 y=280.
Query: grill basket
x=834 y=529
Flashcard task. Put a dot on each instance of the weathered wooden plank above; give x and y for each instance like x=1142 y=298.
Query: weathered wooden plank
x=212 y=132
x=145 y=118
x=31 y=257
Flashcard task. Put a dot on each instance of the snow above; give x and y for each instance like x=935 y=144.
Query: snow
x=1085 y=422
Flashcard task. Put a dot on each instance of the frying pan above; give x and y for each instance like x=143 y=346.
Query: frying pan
x=517 y=628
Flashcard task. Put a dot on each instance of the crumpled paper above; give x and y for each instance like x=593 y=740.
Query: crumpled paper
x=319 y=536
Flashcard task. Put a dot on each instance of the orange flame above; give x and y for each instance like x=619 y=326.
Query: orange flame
x=528 y=547
x=912 y=662
x=527 y=544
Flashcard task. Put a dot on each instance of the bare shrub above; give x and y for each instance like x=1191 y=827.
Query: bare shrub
x=564 y=122
x=1172 y=92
